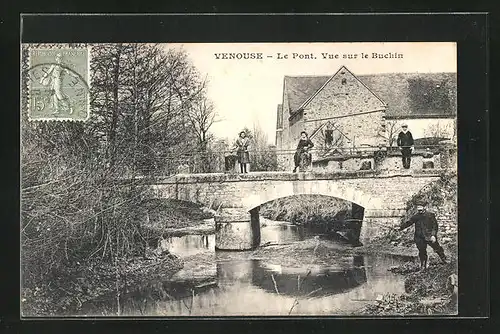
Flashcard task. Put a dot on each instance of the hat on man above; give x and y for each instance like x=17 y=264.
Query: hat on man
x=404 y=125
x=421 y=203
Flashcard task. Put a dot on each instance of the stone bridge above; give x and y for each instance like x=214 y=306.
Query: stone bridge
x=239 y=196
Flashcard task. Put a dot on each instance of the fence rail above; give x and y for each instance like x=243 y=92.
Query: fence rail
x=214 y=161
x=343 y=149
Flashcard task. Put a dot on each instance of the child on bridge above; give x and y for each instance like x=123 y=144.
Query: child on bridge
x=305 y=144
x=242 y=144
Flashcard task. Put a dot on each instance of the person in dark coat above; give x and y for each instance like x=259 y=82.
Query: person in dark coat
x=426 y=229
x=242 y=144
x=305 y=144
x=405 y=143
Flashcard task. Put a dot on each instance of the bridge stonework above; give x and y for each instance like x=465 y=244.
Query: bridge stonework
x=239 y=196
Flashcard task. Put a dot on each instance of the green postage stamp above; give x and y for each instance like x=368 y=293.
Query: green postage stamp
x=58 y=83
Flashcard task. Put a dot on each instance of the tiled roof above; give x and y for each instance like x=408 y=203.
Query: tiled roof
x=299 y=89
x=406 y=94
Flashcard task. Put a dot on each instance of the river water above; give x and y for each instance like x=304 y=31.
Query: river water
x=239 y=284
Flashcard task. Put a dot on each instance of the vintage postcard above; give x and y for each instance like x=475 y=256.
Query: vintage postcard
x=239 y=179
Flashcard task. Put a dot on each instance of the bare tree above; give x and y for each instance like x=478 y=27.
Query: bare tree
x=391 y=131
x=263 y=153
x=439 y=130
x=202 y=115
x=72 y=207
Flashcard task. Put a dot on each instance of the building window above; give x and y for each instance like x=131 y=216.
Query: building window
x=344 y=81
x=328 y=137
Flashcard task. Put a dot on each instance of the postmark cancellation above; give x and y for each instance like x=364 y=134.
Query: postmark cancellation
x=58 y=83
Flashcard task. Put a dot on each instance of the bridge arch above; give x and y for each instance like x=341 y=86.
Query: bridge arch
x=383 y=197
x=328 y=188
x=372 y=205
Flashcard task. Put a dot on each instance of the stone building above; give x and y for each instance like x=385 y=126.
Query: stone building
x=348 y=115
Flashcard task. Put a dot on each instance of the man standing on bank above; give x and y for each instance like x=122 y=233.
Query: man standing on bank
x=405 y=143
x=426 y=229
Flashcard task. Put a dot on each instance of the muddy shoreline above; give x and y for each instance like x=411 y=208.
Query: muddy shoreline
x=99 y=284
x=65 y=292
x=426 y=293
x=207 y=226
x=429 y=292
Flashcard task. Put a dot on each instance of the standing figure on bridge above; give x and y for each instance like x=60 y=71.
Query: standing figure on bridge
x=426 y=228
x=302 y=153
x=405 y=143
x=242 y=144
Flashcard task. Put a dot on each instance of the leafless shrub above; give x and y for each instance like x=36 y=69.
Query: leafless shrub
x=81 y=199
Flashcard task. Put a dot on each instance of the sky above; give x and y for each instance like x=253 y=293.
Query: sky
x=247 y=91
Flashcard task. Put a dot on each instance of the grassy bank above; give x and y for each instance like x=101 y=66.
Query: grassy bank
x=176 y=218
x=314 y=252
x=65 y=288
x=307 y=209
x=170 y=213
x=430 y=291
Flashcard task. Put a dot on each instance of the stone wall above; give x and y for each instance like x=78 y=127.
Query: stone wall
x=392 y=162
x=279 y=138
x=448 y=158
x=284 y=144
x=345 y=95
x=382 y=196
x=375 y=227
x=285 y=161
x=352 y=164
x=366 y=188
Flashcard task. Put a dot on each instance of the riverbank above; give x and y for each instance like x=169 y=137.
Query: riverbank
x=434 y=290
x=64 y=291
x=170 y=213
x=307 y=209
x=68 y=290
x=313 y=252
x=430 y=292
x=177 y=218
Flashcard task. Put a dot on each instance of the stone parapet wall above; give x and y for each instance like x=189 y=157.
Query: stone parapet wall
x=369 y=189
x=238 y=197
x=391 y=162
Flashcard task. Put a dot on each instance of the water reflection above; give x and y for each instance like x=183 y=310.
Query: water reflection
x=211 y=285
x=306 y=280
x=282 y=232
x=271 y=232
x=235 y=271
x=248 y=287
x=188 y=245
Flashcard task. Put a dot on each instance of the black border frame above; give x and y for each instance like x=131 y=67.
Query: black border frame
x=470 y=31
